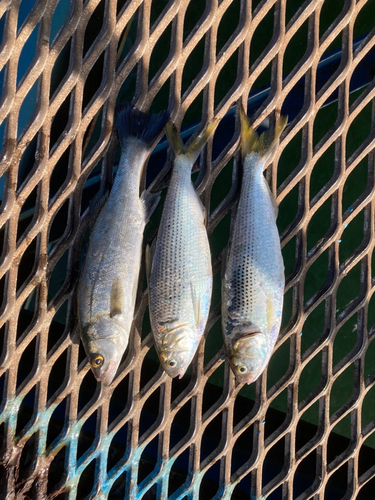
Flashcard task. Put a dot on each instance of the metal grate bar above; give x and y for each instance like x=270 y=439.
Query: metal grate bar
x=306 y=428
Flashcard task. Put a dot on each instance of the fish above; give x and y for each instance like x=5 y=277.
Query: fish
x=108 y=284
x=179 y=262
x=253 y=279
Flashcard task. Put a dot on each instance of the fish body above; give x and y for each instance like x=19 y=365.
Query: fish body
x=108 y=285
x=180 y=281
x=253 y=281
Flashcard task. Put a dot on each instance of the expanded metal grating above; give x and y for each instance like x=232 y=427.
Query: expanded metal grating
x=305 y=429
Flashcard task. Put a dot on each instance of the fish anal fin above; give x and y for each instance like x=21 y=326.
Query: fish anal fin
x=150 y=202
x=272 y=198
x=148 y=262
x=117 y=298
x=203 y=208
x=95 y=207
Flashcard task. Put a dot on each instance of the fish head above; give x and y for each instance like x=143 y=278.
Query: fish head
x=249 y=356
x=104 y=349
x=178 y=349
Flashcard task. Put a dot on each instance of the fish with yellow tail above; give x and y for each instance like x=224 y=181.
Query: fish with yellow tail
x=179 y=264
x=108 y=285
x=253 y=268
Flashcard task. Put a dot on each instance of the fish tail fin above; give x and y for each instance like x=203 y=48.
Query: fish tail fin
x=193 y=149
x=262 y=144
x=174 y=139
x=131 y=122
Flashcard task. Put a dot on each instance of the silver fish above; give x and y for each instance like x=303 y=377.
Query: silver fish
x=180 y=281
x=253 y=277
x=107 y=288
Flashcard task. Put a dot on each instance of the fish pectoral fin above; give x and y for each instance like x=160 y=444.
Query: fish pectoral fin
x=150 y=202
x=117 y=298
x=270 y=313
x=197 y=306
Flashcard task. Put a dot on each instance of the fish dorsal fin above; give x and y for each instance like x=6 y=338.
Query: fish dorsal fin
x=197 y=306
x=150 y=202
x=272 y=198
x=150 y=252
x=117 y=298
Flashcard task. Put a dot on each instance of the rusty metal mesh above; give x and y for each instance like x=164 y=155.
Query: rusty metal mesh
x=49 y=395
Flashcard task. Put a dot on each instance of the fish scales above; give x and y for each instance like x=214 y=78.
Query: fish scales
x=112 y=239
x=108 y=285
x=182 y=254
x=253 y=281
x=254 y=266
x=180 y=281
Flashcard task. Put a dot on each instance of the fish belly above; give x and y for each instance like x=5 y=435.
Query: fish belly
x=181 y=270
x=254 y=276
x=114 y=252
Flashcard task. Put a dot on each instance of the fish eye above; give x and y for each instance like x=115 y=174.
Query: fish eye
x=172 y=363
x=242 y=369
x=97 y=361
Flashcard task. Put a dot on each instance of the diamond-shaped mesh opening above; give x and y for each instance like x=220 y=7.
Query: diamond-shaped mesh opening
x=305 y=429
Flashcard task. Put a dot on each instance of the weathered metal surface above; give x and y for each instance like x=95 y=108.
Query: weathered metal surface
x=50 y=400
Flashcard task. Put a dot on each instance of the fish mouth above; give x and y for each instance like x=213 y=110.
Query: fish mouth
x=177 y=372
x=107 y=376
x=248 y=378
x=249 y=356
x=182 y=373
x=239 y=334
x=251 y=334
x=254 y=376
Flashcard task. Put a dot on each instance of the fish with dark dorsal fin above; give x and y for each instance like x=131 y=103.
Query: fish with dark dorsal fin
x=180 y=273
x=108 y=285
x=253 y=268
